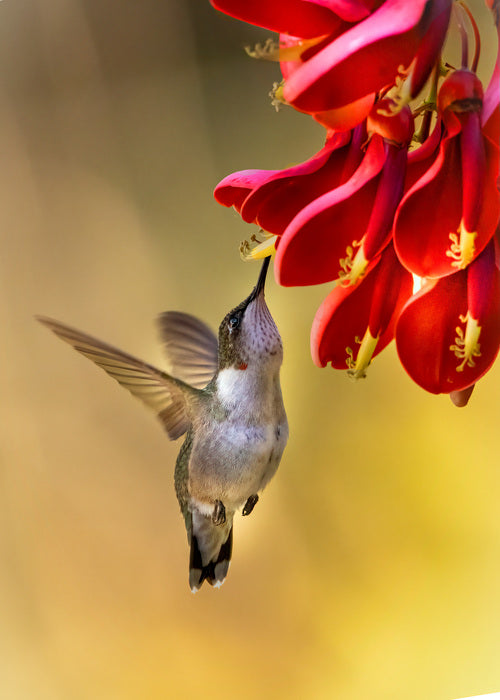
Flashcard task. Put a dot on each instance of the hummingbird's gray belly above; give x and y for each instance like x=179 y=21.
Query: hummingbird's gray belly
x=235 y=463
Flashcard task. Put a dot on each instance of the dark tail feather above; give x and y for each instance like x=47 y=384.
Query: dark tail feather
x=215 y=571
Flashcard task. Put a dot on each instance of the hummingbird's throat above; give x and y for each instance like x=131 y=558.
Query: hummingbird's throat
x=243 y=366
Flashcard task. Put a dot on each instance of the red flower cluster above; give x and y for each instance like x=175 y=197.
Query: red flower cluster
x=403 y=219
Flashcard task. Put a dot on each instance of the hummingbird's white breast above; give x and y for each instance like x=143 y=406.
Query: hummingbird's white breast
x=239 y=448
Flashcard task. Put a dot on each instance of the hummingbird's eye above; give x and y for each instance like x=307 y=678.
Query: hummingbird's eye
x=233 y=323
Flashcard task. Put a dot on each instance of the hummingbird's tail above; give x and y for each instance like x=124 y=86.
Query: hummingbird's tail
x=211 y=547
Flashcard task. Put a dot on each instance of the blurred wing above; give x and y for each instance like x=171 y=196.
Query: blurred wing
x=164 y=394
x=191 y=347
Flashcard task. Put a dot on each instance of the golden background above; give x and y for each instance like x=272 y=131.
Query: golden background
x=371 y=566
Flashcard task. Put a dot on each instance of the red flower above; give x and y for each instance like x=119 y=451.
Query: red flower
x=450 y=214
x=369 y=212
x=337 y=234
x=301 y=18
x=368 y=56
x=448 y=334
x=354 y=324
x=344 y=117
x=271 y=198
x=339 y=53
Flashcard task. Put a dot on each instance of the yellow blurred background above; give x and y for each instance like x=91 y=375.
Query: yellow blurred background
x=371 y=566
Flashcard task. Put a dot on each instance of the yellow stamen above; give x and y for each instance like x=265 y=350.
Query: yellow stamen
x=462 y=247
x=467 y=345
x=353 y=266
x=357 y=367
x=359 y=266
x=260 y=249
x=270 y=50
x=277 y=95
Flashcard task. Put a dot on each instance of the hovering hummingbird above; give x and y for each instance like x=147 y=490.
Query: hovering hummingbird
x=225 y=396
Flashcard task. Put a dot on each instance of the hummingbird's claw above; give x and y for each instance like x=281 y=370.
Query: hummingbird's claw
x=219 y=513
x=250 y=504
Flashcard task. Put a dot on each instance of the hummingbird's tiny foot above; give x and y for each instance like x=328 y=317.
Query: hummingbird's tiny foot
x=250 y=504
x=219 y=513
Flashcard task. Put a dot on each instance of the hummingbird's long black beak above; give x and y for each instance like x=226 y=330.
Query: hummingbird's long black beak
x=261 y=282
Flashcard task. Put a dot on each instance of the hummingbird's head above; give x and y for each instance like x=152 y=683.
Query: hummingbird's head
x=248 y=334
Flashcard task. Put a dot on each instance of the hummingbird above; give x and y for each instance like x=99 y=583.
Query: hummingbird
x=225 y=396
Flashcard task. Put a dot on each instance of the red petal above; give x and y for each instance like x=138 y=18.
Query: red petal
x=396 y=128
x=473 y=167
x=393 y=288
x=271 y=198
x=318 y=236
x=432 y=209
x=346 y=117
x=351 y=10
x=426 y=330
x=428 y=213
x=348 y=312
x=431 y=45
x=389 y=193
x=483 y=279
x=300 y=18
x=421 y=159
x=461 y=85
x=276 y=202
x=235 y=188
x=360 y=61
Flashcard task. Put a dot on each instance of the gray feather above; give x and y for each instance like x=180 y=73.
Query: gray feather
x=191 y=347
x=167 y=396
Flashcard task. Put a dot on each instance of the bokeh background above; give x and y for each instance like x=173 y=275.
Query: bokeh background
x=371 y=567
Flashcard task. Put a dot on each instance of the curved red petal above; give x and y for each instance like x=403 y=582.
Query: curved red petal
x=393 y=289
x=483 y=285
x=473 y=167
x=277 y=201
x=346 y=117
x=460 y=86
x=301 y=18
x=235 y=188
x=432 y=210
x=431 y=45
x=421 y=159
x=428 y=213
x=342 y=317
x=347 y=312
x=389 y=193
x=351 y=10
x=316 y=239
x=271 y=198
x=427 y=331
x=361 y=60
x=396 y=128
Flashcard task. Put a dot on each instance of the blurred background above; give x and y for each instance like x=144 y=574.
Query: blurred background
x=371 y=566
